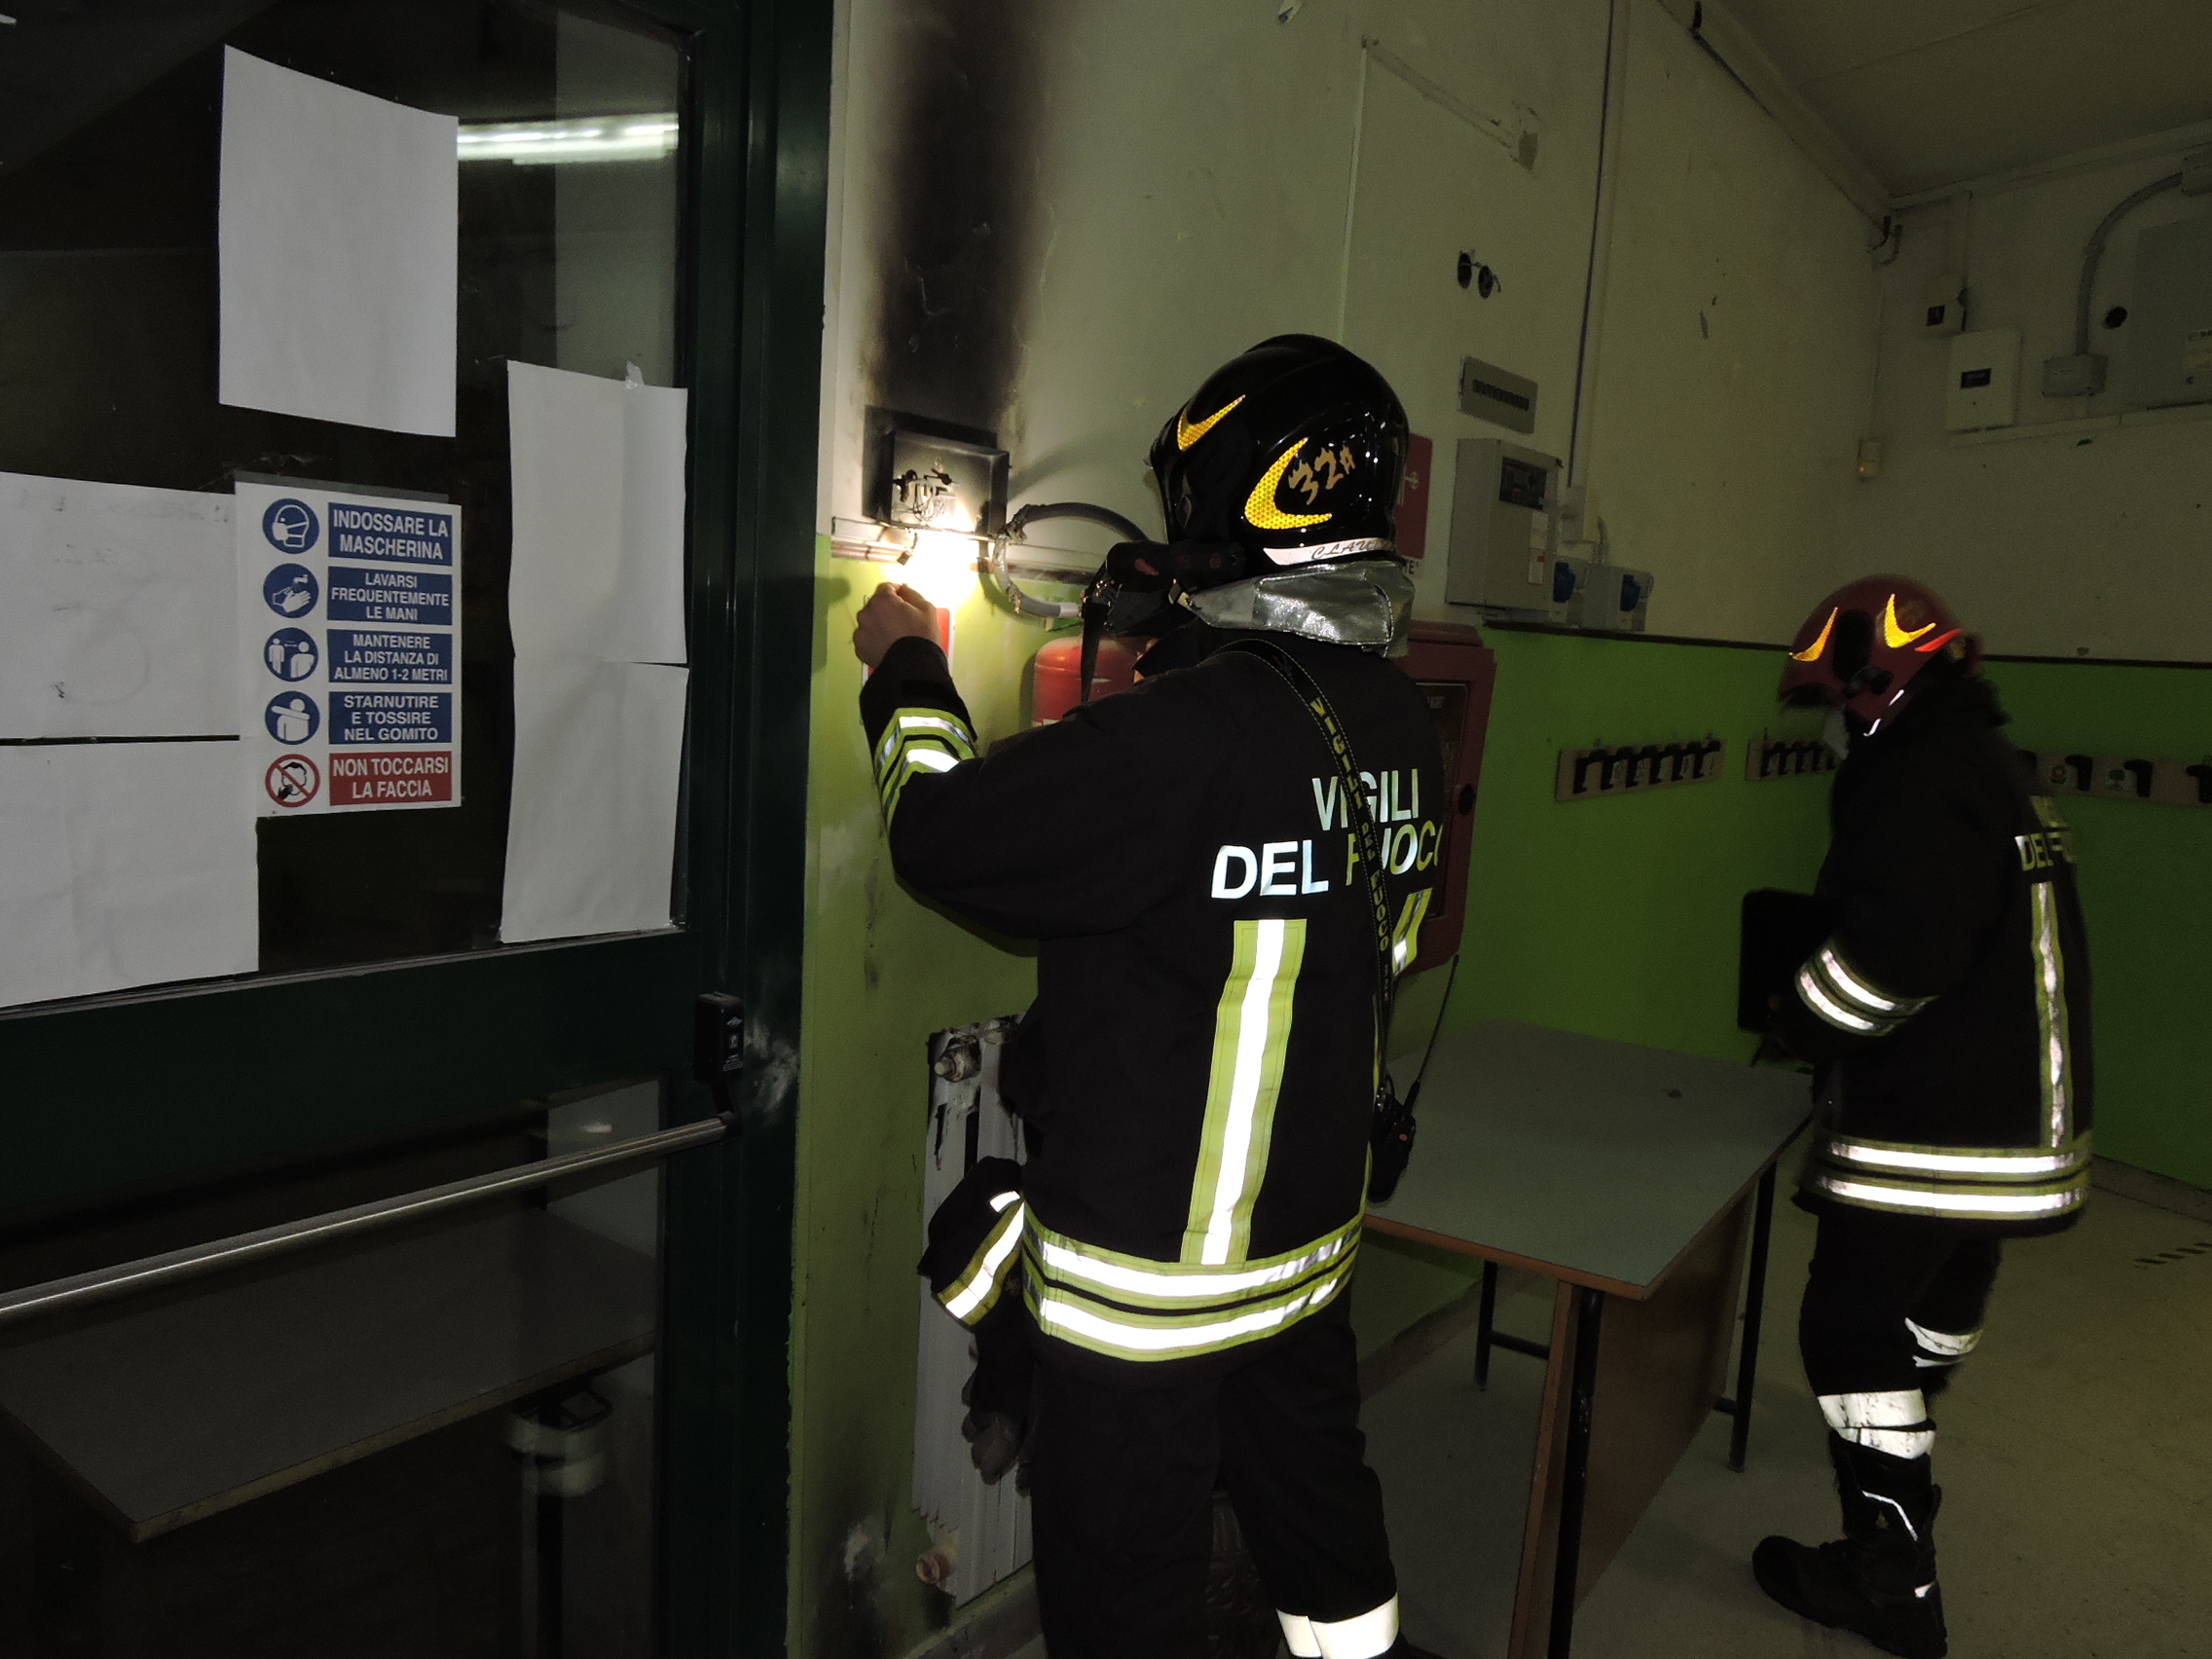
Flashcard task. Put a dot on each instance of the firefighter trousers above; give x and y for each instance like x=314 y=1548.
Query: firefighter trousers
x=1121 y=1483
x=1893 y=1302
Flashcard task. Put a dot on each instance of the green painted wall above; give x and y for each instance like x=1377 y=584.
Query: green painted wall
x=883 y=971
x=1619 y=917
x=2147 y=891
x=1616 y=918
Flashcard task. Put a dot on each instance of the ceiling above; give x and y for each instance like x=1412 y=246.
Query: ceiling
x=1928 y=93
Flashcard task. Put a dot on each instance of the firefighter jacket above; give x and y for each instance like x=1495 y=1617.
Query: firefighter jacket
x=1207 y=974
x=1950 y=1008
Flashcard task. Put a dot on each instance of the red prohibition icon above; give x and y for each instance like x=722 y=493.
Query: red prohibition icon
x=292 y=780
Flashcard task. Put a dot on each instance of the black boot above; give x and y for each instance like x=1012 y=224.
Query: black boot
x=1879 y=1578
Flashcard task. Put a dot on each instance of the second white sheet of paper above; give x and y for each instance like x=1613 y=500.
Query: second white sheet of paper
x=595 y=599
x=123 y=863
x=339 y=230
x=598 y=481
x=591 y=831
x=116 y=614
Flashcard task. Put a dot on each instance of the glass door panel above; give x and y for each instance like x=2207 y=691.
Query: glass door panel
x=436 y=1439
x=570 y=136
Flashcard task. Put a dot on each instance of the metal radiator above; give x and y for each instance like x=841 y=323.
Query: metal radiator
x=978 y=1533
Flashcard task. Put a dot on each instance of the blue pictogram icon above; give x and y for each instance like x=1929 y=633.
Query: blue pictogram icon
x=291 y=525
x=291 y=590
x=293 y=718
x=290 y=653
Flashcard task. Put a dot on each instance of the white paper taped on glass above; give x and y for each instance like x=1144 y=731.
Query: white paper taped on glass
x=121 y=865
x=595 y=597
x=115 y=611
x=338 y=231
x=598 y=483
x=599 y=766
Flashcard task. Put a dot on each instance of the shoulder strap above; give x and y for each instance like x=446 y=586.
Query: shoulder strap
x=1356 y=813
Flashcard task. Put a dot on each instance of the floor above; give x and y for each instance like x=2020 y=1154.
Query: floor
x=2074 y=1452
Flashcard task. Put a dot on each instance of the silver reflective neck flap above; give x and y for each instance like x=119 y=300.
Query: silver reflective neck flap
x=1362 y=602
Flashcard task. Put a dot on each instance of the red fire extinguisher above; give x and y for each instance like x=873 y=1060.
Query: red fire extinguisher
x=1059 y=676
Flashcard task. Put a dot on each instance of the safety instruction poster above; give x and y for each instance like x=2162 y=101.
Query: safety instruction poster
x=349 y=625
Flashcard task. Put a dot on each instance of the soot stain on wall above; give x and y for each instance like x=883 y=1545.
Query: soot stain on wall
x=961 y=194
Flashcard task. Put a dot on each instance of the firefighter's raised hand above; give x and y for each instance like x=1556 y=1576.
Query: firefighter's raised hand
x=893 y=612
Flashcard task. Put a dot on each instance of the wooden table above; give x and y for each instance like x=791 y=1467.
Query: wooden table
x=1635 y=1179
x=180 y=1406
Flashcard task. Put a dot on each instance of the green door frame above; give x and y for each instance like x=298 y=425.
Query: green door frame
x=154 y=1091
x=758 y=246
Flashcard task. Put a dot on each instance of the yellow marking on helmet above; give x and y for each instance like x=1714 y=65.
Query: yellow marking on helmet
x=1260 y=509
x=1189 y=432
x=1896 y=637
x=1811 y=652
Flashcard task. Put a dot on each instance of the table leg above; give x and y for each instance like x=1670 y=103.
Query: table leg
x=551 y=1524
x=1754 y=1305
x=1483 y=1319
x=1590 y=1308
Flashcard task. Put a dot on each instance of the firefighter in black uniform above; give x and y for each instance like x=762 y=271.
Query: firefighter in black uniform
x=1948 y=1019
x=1208 y=963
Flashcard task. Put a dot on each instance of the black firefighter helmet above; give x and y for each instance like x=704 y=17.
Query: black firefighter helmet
x=1293 y=453
x=1288 y=457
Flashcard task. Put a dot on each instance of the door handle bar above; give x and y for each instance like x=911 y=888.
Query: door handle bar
x=218 y=1255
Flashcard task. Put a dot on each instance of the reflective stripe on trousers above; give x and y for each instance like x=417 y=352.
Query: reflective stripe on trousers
x=1940 y=1349
x=1895 y=1421
x=1363 y=1636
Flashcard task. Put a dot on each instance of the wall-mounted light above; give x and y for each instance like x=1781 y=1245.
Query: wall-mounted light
x=941 y=566
x=588 y=139
x=935 y=495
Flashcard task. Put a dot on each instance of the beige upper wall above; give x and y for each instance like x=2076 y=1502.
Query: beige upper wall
x=1736 y=359
x=1194 y=180
x=2076 y=543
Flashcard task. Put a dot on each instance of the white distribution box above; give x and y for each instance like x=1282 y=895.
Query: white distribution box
x=1982 y=389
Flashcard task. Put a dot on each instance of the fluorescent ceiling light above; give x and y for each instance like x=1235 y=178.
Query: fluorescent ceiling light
x=588 y=139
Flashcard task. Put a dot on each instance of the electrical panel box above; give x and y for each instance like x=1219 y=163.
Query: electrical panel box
x=2079 y=376
x=2166 y=348
x=1945 y=309
x=926 y=475
x=1983 y=385
x=1571 y=572
x=1616 y=597
x=1504 y=527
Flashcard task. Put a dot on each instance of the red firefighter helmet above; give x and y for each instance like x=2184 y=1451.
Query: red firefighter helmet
x=1866 y=644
